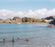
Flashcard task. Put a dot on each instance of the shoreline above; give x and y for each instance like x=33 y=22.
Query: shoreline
x=31 y=23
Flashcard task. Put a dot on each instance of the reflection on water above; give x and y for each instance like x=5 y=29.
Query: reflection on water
x=4 y=43
x=12 y=44
x=26 y=45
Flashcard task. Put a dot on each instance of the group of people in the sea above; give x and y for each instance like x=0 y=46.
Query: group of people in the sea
x=17 y=39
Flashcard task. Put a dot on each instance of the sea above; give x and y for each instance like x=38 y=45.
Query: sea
x=38 y=35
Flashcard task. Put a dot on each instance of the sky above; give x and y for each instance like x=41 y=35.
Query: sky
x=26 y=8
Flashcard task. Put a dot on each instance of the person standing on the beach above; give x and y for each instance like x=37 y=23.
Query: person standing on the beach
x=3 y=40
x=13 y=40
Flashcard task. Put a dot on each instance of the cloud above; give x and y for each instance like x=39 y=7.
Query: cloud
x=4 y=12
x=40 y=13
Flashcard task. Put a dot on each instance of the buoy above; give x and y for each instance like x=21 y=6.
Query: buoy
x=17 y=38
x=26 y=40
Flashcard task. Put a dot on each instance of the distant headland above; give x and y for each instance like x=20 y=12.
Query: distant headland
x=20 y=20
x=49 y=20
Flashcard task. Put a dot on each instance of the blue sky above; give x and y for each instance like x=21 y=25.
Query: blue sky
x=25 y=6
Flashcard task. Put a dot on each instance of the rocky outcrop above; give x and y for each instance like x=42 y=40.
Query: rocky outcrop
x=52 y=22
x=20 y=20
x=16 y=20
x=1 y=20
x=51 y=25
x=48 y=19
x=6 y=21
x=29 y=20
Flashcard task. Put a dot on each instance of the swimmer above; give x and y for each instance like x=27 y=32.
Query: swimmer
x=26 y=40
x=17 y=38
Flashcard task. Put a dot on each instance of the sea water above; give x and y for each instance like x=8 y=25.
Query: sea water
x=39 y=35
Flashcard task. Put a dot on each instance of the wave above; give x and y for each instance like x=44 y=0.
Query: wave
x=18 y=23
